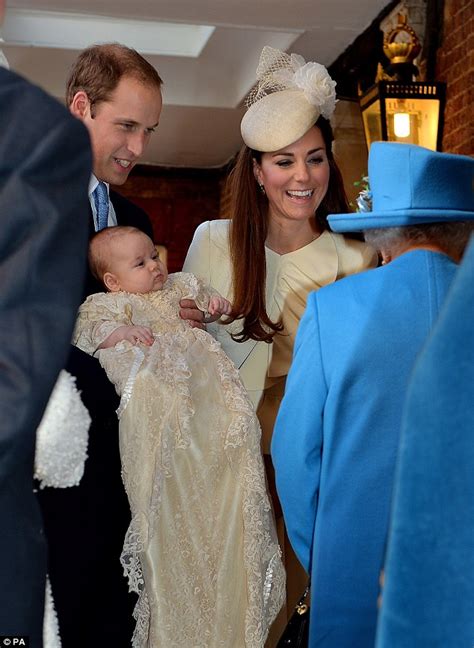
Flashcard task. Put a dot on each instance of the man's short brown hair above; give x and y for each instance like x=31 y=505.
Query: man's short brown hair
x=99 y=68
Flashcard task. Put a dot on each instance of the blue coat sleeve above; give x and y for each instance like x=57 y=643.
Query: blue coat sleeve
x=298 y=436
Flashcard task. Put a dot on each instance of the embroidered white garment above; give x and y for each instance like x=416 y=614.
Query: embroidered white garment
x=62 y=436
x=51 y=638
x=201 y=549
x=60 y=455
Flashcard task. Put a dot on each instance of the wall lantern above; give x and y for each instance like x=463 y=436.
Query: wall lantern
x=398 y=109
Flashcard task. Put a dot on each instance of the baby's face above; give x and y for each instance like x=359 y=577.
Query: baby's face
x=136 y=264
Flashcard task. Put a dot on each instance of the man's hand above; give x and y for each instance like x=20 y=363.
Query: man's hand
x=191 y=313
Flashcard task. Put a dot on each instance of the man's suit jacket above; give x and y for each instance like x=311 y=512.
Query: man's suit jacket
x=45 y=164
x=86 y=525
x=336 y=436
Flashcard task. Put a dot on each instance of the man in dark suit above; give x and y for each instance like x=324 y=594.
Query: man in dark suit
x=45 y=164
x=116 y=93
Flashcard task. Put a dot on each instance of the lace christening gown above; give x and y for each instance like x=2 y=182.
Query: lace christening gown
x=201 y=550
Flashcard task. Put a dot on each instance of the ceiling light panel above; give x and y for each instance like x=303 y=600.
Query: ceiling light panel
x=77 y=31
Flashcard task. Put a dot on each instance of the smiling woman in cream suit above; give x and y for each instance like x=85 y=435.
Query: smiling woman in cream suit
x=336 y=438
x=277 y=247
x=290 y=277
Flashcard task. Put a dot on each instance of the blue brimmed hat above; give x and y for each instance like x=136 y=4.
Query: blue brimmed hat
x=411 y=185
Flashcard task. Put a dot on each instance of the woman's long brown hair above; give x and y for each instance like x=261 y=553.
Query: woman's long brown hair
x=248 y=232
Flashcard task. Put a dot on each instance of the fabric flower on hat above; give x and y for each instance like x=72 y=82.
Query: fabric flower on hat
x=278 y=71
x=318 y=87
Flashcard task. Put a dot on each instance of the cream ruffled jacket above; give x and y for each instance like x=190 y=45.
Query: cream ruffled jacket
x=290 y=277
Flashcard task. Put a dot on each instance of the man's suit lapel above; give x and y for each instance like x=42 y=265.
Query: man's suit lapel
x=91 y=223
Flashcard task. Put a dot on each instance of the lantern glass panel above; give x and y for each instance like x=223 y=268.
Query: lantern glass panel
x=423 y=120
x=372 y=122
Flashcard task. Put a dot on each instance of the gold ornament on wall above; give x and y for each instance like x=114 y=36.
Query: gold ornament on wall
x=397 y=108
x=401 y=44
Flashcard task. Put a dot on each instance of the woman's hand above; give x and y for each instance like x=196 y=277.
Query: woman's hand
x=133 y=334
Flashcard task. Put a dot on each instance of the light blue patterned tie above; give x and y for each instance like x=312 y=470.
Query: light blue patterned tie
x=101 y=199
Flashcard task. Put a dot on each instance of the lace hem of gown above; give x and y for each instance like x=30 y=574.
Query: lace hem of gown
x=241 y=444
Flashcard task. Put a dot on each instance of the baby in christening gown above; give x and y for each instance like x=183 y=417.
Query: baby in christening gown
x=201 y=549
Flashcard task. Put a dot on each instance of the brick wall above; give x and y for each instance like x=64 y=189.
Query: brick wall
x=177 y=201
x=455 y=66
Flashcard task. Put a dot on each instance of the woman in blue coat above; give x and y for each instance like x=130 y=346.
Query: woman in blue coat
x=428 y=595
x=337 y=432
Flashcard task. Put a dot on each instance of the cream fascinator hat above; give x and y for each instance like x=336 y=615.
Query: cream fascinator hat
x=289 y=97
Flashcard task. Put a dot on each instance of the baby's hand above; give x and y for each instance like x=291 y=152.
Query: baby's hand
x=219 y=306
x=133 y=334
x=139 y=335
